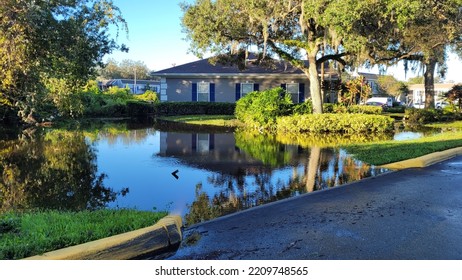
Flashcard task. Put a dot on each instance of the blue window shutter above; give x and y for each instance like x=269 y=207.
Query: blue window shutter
x=238 y=91
x=194 y=92
x=194 y=142
x=212 y=141
x=301 y=93
x=284 y=87
x=212 y=92
x=256 y=87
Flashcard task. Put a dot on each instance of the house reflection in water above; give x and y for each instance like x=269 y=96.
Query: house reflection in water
x=218 y=152
x=252 y=170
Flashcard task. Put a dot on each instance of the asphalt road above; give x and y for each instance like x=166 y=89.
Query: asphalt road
x=408 y=214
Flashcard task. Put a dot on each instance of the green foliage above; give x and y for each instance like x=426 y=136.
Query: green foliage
x=64 y=97
x=194 y=108
x=27 y=234
x=353 y=109
x=49 y=47
x=263 y=147
x=124 y=70
x=343 y=123
x=303 y=108
x=148 y=95
x=414 y=116
x=384 y=152
x=356 y=90
x=291 y=30
x=259 y=109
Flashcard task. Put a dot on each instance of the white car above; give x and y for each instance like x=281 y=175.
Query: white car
x=441 y=104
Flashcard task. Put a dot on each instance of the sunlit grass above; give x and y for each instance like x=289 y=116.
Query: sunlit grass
x=215 y=120
x=29 y=234
x=383 y=152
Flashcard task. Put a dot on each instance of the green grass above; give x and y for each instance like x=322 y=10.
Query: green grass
x=215 y=120
x=379 y=153
x=29 y=234
x=447 y=126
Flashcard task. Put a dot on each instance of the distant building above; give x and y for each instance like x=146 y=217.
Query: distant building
x=416 y=97
x=135 y=86
x=371 y=80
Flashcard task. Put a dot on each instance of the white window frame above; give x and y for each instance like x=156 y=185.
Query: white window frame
x=293 y=94
x=203 y=89
x=245 y=92
x=203 y=142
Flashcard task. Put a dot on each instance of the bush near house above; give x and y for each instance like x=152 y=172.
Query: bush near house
x=342 y=123
x=259 y=109
x=194 y=108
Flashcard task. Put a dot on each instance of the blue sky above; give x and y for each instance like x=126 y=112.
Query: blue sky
x=155 y=38
x=154 y=35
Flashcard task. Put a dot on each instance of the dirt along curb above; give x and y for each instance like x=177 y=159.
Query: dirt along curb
x=165 y=234
x=425 y=160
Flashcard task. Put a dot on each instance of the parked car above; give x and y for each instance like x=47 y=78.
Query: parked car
x=441 y=104
x=376 y=103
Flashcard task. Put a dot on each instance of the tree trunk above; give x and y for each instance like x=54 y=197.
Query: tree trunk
x=312 y=169
x=429 y=77
x=315 y=85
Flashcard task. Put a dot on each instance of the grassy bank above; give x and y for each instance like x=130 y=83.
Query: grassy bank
x=215 y=120
x=29 y=234
x=384 y=152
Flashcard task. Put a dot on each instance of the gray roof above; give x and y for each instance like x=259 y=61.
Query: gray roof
x=204 y=67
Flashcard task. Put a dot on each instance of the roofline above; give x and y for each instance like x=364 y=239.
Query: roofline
x=232 y=75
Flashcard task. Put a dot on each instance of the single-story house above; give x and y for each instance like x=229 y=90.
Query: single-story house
x=135 y=86
x=416 y=95
x=202 y=81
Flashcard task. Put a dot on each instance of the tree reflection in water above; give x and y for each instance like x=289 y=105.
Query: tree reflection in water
x=322 y=168
x=52 y=170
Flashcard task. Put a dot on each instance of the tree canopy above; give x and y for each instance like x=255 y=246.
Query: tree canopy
x=61 y=40
x=309 y=33
x=305 y=33
x=126 y=69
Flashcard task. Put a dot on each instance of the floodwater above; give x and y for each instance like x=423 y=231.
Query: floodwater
x=197 y=173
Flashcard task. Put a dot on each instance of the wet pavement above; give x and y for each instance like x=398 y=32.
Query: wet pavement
x=408 y=214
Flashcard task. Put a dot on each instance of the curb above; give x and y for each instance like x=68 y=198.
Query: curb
x=164 y=234
x=425 y=160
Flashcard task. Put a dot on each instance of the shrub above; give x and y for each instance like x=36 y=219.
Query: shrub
x=259 y=109
x=365 y=109
x=344 y=123
x=194 y=108
x=303 y=108
x=420 y=116
x=137 y=108
x=149 y=96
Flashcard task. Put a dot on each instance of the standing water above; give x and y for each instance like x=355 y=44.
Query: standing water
x=199 y=174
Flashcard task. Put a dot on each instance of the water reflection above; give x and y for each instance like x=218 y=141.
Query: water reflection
x=220 y=172
x=52 y=170
x=250 y=169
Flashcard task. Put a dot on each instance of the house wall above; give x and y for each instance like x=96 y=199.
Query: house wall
x=181 y=89
x=417 y=93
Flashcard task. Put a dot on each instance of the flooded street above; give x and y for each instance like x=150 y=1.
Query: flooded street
x=199 y=175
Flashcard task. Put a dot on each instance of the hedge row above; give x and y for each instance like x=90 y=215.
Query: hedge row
x=194 y=108
x=342 y=123
x=414 y=116
x=353 y=109
x=141 y=108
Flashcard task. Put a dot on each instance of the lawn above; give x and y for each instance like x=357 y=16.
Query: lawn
x=383 y=152
x=215 y=120
x=29 y=234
